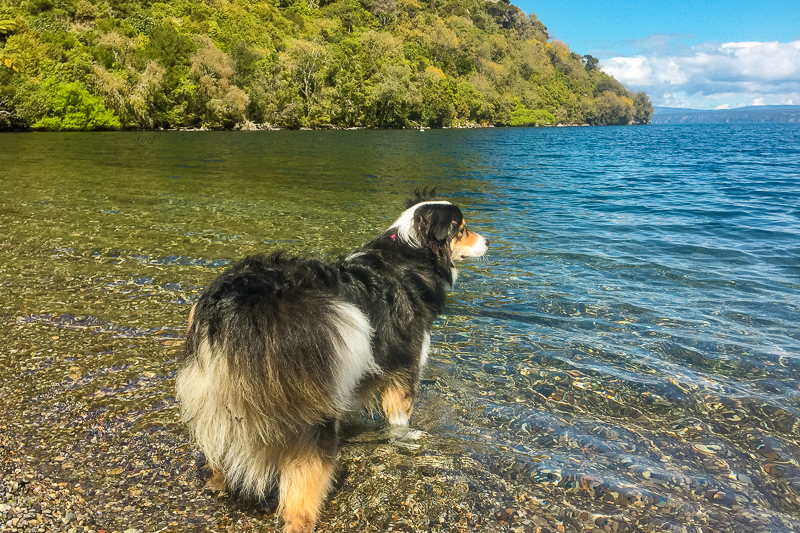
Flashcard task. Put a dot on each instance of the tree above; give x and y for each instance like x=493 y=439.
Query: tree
x=613 y=109
x=394 y=96
x=642 y=108
x=7 y=26
x=115 y=89
x=590 y=63
x=122 y=47
x=85 y=10
x=385 y=11
x=225 y=104
x=438 y=107
x=349 y=71
x=305 y=62
x=273 y=99
x=145 y=92
x=469 y=103
x=605 y=83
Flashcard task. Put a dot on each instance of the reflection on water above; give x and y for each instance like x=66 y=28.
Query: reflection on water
x=625 y=359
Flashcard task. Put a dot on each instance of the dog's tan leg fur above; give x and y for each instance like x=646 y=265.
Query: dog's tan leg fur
x=304 y=483
x=398 y=403
x=217 y=481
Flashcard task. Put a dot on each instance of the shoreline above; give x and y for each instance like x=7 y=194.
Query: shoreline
x=268 y=127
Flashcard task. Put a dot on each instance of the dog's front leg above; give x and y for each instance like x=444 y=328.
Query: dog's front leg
x=397 y=399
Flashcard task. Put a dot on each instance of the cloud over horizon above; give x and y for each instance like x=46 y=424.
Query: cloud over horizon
x=711 y=75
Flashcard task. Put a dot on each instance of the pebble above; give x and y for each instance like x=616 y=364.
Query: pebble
x=27 y=494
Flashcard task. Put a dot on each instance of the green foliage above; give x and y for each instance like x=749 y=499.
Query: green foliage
x=168 y=47
x=7 y=26
x=85 y=10
x=48 y=23
x=605 y=83
x=139 y=21
x=642 y=108
x=73 y=108
x=438 y=108
x=295 y=63
x=614 y=109
x=351 y=14
x=113 y=25
x=522 y=116
x=28 y=100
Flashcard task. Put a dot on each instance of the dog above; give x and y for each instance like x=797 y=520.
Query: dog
x=278 y=349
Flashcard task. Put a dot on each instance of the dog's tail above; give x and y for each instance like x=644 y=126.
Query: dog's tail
x=259 y=371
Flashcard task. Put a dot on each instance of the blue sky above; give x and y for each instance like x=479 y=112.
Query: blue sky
x=702 y=54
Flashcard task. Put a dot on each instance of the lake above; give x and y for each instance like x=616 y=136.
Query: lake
x=626 y=358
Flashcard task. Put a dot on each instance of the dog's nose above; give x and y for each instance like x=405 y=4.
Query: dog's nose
x=487 y=242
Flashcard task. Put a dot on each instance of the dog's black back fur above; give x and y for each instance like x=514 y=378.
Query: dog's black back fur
x=400 y=289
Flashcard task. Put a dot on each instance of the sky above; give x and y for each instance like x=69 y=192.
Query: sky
x=701 y=54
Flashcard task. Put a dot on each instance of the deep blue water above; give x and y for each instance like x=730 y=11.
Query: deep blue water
x=631 y=339
x=647 y=287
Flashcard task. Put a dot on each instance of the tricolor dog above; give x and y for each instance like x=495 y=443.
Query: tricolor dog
x=279 y=349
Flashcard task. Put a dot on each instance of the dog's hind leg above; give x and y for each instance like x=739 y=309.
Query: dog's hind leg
x=306 y=476
x=217 y=481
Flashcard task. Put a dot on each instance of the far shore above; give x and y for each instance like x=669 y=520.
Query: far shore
x=269 y=127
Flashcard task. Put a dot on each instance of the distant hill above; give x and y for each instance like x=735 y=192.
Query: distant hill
x=143 y=64
x=740 y=115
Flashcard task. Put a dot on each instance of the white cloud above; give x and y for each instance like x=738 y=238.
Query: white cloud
x=767 y=72
x=723 y=106
x=722 y=96
x=673 y=100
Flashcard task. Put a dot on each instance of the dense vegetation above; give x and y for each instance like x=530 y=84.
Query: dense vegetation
x=108 y=64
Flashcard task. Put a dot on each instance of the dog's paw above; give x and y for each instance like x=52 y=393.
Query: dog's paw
x=398 y=405
x=299 y=523
x=398 y=418
x=217 y=482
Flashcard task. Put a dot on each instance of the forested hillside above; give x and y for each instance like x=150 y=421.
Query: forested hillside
x=109 y=64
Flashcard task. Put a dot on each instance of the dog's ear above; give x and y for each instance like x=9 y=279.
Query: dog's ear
x=442 y=228
x=422 y=196
x=436 y=226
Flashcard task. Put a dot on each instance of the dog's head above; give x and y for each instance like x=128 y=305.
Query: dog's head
x=430 y=222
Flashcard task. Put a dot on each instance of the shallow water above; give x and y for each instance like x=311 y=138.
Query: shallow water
x=625 y=358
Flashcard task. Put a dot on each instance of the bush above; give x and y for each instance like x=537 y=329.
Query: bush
x=73 y=108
